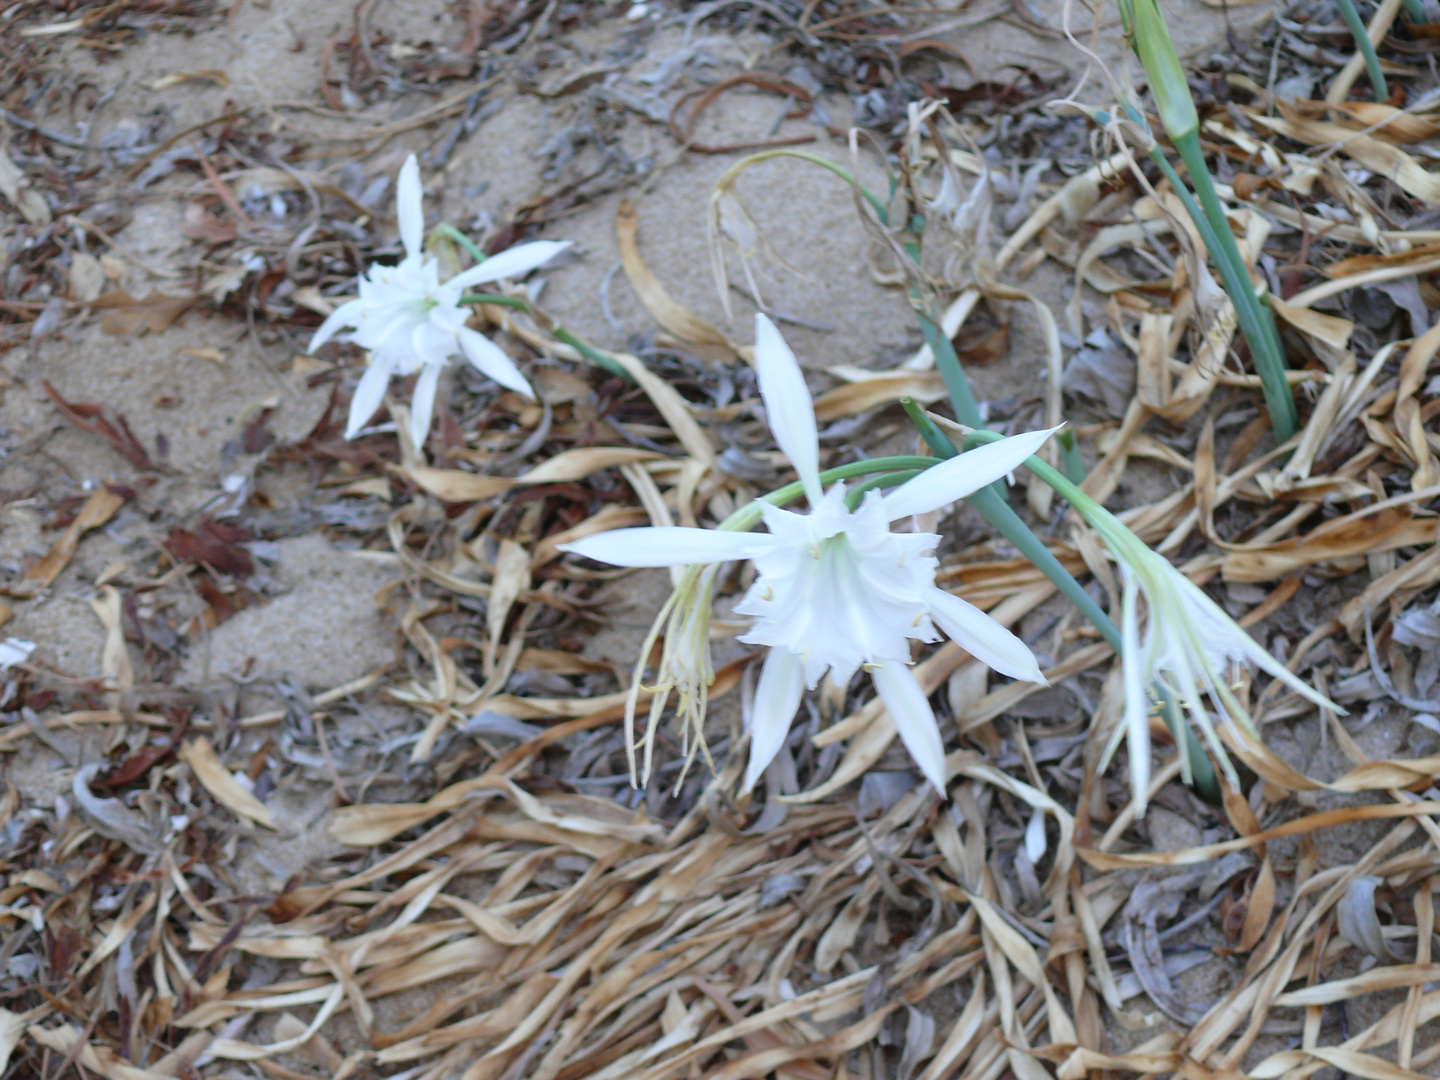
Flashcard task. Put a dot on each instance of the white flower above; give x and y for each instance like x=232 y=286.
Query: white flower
x=1187 y=645
x=411 y=322
x=836 y=589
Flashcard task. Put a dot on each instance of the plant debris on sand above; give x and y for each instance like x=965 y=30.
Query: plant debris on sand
x=406 y=844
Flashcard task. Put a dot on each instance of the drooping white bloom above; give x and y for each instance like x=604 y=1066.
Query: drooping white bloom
x=409 y=321
x=836 y=589
x=1187 y=645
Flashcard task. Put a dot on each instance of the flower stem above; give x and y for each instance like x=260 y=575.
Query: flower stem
x=1255 y=318
x=1366 y=47
x=748 y=516
x=519 y=303
x=946 y=359
x=451 y=233
x=1145 y=27
x=495 y=300
x=1070 y=455
x=856 y=495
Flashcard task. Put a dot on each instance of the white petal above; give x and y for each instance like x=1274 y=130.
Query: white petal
x=787 y=404
x=346 y=315
x=368 y=395
x=782 y=680
x=906 y=703
x=1137 y=702
x=962 y=475
x=1212 y=619
x=983 y=638
x=669 y=545
x=409 y=207
x=423 y=407
x=493 y=361
x=1035 y=836
x=511 y=263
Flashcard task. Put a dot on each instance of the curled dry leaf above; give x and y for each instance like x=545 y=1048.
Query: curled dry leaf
x=115 y=662
x=1359 y=922
x=87 y=277
x=1397 y=125
x=1387 y=530
x=667 y=311
x=90 y=416
x=1374 y=154
x=110 y=817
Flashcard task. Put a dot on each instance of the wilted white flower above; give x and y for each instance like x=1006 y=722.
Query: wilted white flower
x=1187 y=645
x=836 y=589
x=409 y=321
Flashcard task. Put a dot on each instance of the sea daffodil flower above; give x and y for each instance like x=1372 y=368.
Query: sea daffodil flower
x=409 y=321
x=836 y=589
x=1187 y=645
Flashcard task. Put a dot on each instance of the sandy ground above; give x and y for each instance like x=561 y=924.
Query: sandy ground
x=320 y=616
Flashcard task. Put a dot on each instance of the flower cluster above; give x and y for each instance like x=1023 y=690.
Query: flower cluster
x=836 y=589
x=409 y=321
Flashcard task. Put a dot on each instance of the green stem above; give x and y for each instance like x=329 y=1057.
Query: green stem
x=1070 y=455
x=1416 y=10
x=495 y=300
x=594 y=355
x=451 y=233
x=520 y=303
x=1367 y=48
x=1255 y=318
x=956 y=385
x=748 y=516
x=856 y=495
x=946 y=359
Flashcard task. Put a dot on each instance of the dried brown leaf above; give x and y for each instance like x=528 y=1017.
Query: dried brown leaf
x=221 y=784
x=125 y=315
x=667 y=311
x=98 y=509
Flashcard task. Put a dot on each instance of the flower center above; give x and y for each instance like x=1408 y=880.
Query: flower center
x=840 y=590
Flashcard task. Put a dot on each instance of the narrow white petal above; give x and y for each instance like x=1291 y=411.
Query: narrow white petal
x=410 y=208
x=914 y=720
x=962 y=475
x=1216 y=621
x=782 y=680
x=427 y=386
x=670 y=545
x=346 y=315
x=1035 y=836
x=1137 y=702
x=493 y=361
x=513 y=262
x=983 y=638
x=787 y=404
x=368 y=395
